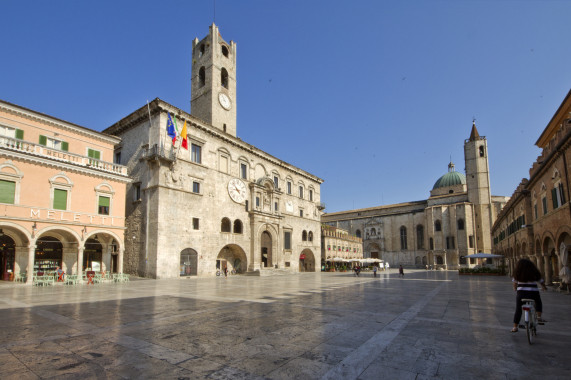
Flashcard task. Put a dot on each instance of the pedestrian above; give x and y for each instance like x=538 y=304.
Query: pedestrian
x=526 y=277
x=225 y=271
x=387 y=266
x=401 y=271
x=374 y=271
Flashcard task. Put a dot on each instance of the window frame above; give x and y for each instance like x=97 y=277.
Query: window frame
x=194 y=148
x=57 y=182
x=15 y=175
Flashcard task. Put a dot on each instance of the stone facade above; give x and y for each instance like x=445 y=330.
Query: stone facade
x=220 y=202
x=438 y=231
x=536 y=223
x=338 y=243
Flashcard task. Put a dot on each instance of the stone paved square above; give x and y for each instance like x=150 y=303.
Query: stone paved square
x=427 y=325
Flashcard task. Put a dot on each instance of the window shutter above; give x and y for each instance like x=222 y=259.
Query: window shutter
x=554 y=198
x=7 y=191
x=561 y=194
x=43 y=140
x=19 y=134
x=104 y=201
x=60 y=199
x=64 y=146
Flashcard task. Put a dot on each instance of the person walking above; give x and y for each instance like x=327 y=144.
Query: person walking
x=374 y=271
x=526 y=277
x=401 y=271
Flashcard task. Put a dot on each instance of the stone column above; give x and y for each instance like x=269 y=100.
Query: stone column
x=120 y=260
x=79 y=270
x=30 y=271
x=547 y=266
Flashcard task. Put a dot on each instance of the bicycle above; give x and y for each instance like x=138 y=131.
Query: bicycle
x=530 y=319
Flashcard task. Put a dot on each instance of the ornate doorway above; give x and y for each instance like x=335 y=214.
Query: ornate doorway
x=266 y=249
x=306 y=261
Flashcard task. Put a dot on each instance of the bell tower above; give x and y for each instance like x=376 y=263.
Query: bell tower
x=478 y=183
x=213 y=82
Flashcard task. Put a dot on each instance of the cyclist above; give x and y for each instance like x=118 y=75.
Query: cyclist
x=526 y=277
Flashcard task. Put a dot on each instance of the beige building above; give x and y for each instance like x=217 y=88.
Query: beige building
x=453 y=222
x=338 y=243
x=62 y=197
x=214 y=201
x=536 y=222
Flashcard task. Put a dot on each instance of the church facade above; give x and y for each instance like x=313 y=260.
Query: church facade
x=206 y=201
x=453 y=222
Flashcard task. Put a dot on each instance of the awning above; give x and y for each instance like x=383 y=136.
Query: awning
x=482 y=255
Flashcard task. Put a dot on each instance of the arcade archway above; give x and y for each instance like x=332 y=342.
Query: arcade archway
x=49 y=254
x=306 y=261
x=266 y=246
x=188 y=262
x=232 y=257
x=7 y=257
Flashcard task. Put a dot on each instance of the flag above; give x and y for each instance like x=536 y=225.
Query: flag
x=170 y=128
x=183 y=135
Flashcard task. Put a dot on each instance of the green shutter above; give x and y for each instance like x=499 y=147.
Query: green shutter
x=91 y=153
x=60 y=199
x=104 y=201
x=64 y=146
x=7 y=191
x=43 y=140
x=554 y=198
x=19 y=134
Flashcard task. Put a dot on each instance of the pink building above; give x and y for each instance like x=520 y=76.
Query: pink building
x=62 y=199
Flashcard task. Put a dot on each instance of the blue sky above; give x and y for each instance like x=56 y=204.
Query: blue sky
x=374 y=97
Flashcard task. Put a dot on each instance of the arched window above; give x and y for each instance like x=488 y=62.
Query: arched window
x=225 y=51
x=310 y=236
x=237 y=226
x=225 y=225
x=224 y=78
x=460 y=224
x=201 y=77
x=304 y=235
x=437 y=226
x=439 y=260
x=358 y=233
x=373 y=232
x=419 y=237
x=403 y=244
x=481 y=151
x=202 y=49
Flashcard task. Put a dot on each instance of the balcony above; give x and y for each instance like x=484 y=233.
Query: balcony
x=320 y=206
x=156 y=152
x=38 y=150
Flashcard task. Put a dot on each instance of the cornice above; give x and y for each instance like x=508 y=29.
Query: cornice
x=158 y=106
x=50 y=120
x=64 y=166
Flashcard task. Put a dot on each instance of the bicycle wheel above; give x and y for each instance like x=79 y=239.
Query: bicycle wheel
x=218 y=273
x=529 y=332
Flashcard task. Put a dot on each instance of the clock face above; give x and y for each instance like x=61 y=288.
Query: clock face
x=237 y=190
x=289 y=206
x=224 y=101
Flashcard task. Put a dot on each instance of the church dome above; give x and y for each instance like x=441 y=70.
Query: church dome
x=451 y=178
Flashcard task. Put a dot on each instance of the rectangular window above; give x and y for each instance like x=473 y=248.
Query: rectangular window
x=301 y=213
x=60 y=199
x=276 y=182
x=196 y=187
x=117 y=158
x=11 y=132
x=554 y=198
x=104 y=203
x=7 y=191
x=288 y=187
x=276 y=206
x=301 y=191
x=196 y=153
x=195 y=224
x=243 y=171
x=535 y=210
x=136 y=192
x=53 y=143
x=311 y=195
x=544 y=204
x=471 y=241
x=287 y=240
x=257 y=201
x=92 y=153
